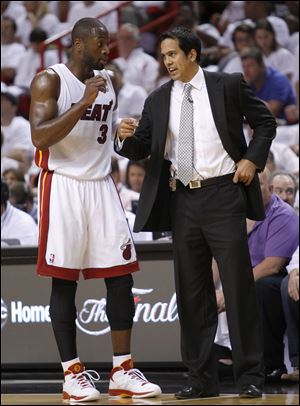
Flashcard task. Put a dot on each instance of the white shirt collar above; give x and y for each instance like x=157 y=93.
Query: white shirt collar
x=197 y=81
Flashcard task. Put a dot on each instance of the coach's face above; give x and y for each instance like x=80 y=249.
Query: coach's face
x=179 y=65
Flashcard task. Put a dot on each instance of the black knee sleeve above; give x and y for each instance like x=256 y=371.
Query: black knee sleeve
x=120 y=306
x=63 y=315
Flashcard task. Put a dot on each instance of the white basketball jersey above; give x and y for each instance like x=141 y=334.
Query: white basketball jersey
x=85 y=153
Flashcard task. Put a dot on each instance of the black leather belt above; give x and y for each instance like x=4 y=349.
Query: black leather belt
x=199 y=183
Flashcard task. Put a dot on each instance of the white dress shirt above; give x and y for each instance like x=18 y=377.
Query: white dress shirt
x=210 y=158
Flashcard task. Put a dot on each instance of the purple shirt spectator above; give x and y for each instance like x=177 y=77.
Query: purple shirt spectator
x=276 y=87
x=277 y=235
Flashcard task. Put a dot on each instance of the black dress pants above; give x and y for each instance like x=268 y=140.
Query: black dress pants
x=211 y=222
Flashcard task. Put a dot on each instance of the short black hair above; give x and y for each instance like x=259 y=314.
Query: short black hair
x=187 y=40
x=83 y=28
x=38 y=35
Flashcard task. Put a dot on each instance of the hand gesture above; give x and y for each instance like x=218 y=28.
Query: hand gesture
x=93 y=85
x=127 y=128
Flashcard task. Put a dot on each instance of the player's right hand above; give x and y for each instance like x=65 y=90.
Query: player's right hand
x=93 y=86
x=127 y=128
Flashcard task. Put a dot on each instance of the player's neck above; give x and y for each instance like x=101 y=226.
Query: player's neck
x=81 y=71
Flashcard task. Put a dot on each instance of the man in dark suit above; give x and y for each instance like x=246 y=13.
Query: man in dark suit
x=202 y=190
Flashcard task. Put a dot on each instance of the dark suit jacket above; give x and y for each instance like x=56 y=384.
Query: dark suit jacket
x=231 y=100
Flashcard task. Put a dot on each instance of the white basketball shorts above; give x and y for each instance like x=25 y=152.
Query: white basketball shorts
x=82 y=227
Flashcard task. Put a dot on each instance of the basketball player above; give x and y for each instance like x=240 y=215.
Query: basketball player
x=82 y=225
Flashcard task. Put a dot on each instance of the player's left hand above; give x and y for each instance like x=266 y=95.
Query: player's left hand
x=245 y=171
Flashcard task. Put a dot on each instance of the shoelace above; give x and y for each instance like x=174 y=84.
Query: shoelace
x=137 y=374
x=86 y=378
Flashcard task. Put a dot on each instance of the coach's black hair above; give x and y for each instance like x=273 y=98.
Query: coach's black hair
x=187 y=40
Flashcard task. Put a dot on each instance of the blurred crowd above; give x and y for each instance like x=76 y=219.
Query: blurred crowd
x=257 y=38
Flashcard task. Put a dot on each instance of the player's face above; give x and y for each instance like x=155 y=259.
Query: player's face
x=180 y=66
x=96 y=51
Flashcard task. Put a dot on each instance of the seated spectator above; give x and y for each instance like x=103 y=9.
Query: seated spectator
x=284 y=185
x=11 y=176
x=20 y=196
x=290 y=303
x=138 y=67
x=6 y=162
x=131 y=97
x=17 y=227
x=81 y=9
x=288 y=135
x=12 y=9
x=16 y=132
x=30 y=62
x=11 y=50
x=135 y=174
x=242 y=38
x=268 y=84
x=285 y=158
x=274 y=55
x=127 y=196
x=37 y=16
x=254 y=11
x=270 y=252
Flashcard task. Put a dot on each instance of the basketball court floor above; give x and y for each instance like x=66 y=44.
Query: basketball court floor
x=34 y=390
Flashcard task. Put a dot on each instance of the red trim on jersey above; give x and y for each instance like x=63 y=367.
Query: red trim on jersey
x=118 y=270
x=41 y=158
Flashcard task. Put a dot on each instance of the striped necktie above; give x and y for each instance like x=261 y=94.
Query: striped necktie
x=186 y=137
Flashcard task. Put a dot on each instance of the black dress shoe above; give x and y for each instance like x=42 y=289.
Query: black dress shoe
x=275 y=375
x=250 y=391
x=193 y=393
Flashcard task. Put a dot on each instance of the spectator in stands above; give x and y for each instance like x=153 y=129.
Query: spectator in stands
x=7 y=162
x=284 y=185
x=135 y=174
x=138 y=67
x=12 y=9
x=16 y=132
x=11 y=50
x=37 y=16
x=290 y=303
x=127 y=196
x=269 y=85
x=254 y=11
x=21 y=197
x=30 y=62
x=17 y=227
x=11 y=176
x=274 y=55
x=285 y=158
x=270 y=252
x=83 y=9
x=242 y=37
x=131 y=97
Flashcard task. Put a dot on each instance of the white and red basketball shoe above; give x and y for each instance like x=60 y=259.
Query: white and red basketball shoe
x=126 y=381
x=79 y=385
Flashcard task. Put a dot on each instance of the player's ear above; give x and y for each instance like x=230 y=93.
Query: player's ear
x=78 y=44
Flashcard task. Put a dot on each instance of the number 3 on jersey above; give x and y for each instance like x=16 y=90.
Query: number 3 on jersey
x=103 y=134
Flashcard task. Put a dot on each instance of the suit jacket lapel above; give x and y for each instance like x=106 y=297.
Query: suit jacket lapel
x=215 y=89
x=164 y=111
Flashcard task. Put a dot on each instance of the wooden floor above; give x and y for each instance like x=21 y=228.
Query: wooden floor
x=166 y=399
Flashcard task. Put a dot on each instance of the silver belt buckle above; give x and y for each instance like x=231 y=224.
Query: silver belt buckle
x=195 y=184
